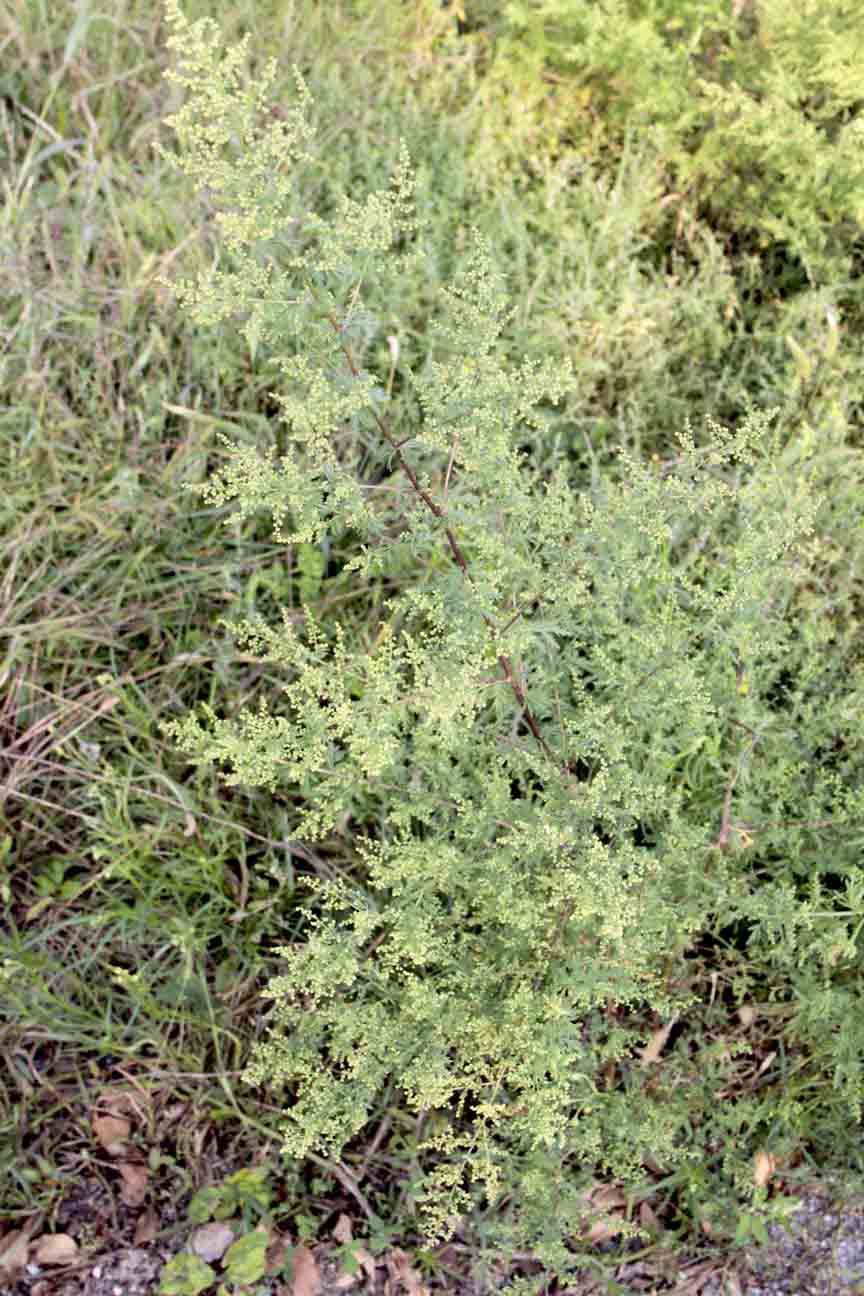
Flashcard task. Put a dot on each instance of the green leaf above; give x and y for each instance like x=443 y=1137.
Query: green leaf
x=185 y=1275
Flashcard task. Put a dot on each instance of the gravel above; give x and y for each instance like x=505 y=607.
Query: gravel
x=821 y=1254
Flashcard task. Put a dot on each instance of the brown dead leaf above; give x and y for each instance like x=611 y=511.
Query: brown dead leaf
x=119 y=1099
x=135 y=1180
x=111 y=1132
x=55 y=1249
x=600 y=1200
x=146 y=1226
x=400 y=1269
x=764 y=1167
x=648 y=1219
x=306 y=1275
x=652 y=1051
x=13 y=1255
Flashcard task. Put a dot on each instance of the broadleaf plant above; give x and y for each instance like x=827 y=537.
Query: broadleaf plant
x=541 y=862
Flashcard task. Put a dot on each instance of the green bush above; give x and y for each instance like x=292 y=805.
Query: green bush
x=568 y=724
x=756 y=120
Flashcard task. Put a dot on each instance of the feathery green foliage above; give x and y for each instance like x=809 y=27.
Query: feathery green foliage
x=776 y=112
x=523 y=720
